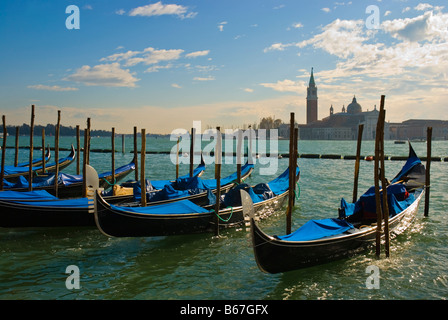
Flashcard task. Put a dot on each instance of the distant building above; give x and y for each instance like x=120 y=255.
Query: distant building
x=311 y=101
x=337 y=126
x=416 y=129
x=344 y=125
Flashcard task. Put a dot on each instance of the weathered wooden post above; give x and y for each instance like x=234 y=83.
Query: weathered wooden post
x=238 y=155
x=43 y=150
x=30 y=172
x=291 y=175
x=177 y=159
x=378 y=153
x=384 y=187
x=78 y=149
x=428 y=169
x=358 y=156
x=16 y=155
x=88 y=140
x=2 y=175
x=192 y=138
x=218 y=159
x=136 y=154
x=123 y=149
x=113 y=160
x=142 y=169
x=56 y=154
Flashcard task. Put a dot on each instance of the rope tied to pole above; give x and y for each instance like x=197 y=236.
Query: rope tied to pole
x=220 y=218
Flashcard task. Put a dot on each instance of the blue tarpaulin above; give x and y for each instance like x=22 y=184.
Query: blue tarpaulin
x=318 y=229
x=26 y=195
x=367 y=202
x=159 y=184
x=178 y=207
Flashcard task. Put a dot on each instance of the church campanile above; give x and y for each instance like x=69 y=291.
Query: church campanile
x=311 y=101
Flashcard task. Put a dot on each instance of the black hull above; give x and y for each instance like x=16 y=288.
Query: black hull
x=275 y=256
x=128 y=224
x=15 y=215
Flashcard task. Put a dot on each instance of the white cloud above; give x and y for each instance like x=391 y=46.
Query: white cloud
x=326 y=10
x=209 y=78
x=285 y=86
x=428 y=26
x=175 y=85
x=108 y=75
x=423 y=6
x=410 y=61
x=387 y=13
x=297 y=25
x=147 y=56
x=197 y=54
x=156 y=68
x=159 y=9
x=248 y=90
x=120 y=12
x=52 y=88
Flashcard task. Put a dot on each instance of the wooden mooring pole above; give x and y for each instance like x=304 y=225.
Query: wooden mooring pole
x=78 y=149
x=238 y=155
x=358 y=158
x=381 y=210
x=30 y=172
x=113 y=160
x=2 y=175
x=84 y=163
x=16 y=155
x=291 y=175
x=193 y=133
x=136 y=154
x=384 y=187
x=43 y=150
x=177 y=158
x=56 y=154
x=428 y=169
x=142 y=168
x=218 y=160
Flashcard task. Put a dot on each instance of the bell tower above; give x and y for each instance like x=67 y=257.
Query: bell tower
x=311 y=101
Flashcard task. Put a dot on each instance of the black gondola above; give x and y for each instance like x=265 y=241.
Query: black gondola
x=185 y=217
x=37 y=162
x=40 y=208
x=14 y=173
x=320 y=241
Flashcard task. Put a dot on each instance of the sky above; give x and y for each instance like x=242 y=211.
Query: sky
x=160 y=65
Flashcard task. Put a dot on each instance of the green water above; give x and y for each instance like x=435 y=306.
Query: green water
x=33 y=261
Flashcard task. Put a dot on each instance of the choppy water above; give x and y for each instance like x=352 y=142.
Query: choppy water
x=33 y=262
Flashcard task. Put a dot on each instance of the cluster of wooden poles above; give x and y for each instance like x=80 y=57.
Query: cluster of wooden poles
x=379 y=175
x=382 y=208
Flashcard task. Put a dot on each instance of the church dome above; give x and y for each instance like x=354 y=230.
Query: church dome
x=354 y=107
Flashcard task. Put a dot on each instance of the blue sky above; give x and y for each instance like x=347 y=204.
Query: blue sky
x=161 y=65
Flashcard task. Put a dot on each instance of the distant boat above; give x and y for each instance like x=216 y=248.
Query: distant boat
x=399 y=142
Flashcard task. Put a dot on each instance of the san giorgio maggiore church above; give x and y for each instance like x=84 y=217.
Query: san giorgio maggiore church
x=341 y=125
